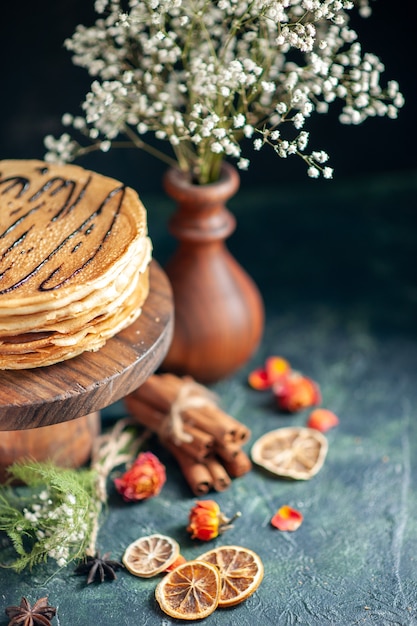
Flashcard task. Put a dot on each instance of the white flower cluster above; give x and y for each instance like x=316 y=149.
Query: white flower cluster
x=59 y=526
x=204 y=76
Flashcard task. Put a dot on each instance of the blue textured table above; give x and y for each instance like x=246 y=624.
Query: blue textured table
x=336 y=264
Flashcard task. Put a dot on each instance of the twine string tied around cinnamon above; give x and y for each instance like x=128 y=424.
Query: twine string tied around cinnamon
x=192 y=395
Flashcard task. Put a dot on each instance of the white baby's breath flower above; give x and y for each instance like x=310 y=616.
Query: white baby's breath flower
x=298 y=120
x=302 y=140
x=320 y=157
x=268 y=86
x=196 y=139
x=322 y=107
x=248 y=130
x=243 y=164
x=67 y=119
x=313 y=172
x=217 y=147
x=79 y=123
x=202 y=75
x=142 y=128
x=219 y=133
x=239 y=120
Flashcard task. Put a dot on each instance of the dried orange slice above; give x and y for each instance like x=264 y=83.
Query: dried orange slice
x=241 y=572
x=150 y=555
x=293 y=452
x=191 y=591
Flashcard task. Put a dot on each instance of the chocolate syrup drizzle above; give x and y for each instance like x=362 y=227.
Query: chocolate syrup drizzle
x=17 y=187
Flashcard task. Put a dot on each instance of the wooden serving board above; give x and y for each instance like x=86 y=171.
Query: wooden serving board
x=93 y=380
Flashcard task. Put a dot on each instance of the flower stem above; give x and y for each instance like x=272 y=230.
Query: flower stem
x=110 y=450
x=139 y=143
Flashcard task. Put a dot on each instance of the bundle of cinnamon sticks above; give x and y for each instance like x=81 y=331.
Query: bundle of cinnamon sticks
x=205 y=441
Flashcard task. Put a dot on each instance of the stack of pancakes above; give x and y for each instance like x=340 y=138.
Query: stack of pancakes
x=74 y=261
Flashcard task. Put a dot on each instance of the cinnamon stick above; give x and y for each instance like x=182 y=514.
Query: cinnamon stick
x=239 y=465
x=200 y=444
x=205 y=441
x=213 y=420
x=155 y=393
x=227 y=452
x=161 y=391
x=195 y=473
x=230 y=429
x=208 y=416
x=144 y=413
x=233 y=430
x=221 y=479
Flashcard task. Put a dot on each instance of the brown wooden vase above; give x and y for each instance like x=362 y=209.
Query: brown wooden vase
x=219 y=314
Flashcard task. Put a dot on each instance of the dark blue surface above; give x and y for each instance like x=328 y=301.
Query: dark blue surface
x=336 y=266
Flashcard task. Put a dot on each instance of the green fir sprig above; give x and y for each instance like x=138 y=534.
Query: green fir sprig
x=56 y=520
x=58 y=515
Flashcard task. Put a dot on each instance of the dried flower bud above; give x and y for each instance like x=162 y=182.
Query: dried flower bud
x=206 y=521
x=178 y=561
x=275 y=370
x=258 y=379
x=296 y=392
x=287 y=518
x=322 y=419
x=144 y=479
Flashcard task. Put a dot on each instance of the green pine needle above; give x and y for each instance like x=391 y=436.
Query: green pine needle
x=57 y=515
x=55 y=520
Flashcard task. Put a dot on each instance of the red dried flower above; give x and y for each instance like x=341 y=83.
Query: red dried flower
x=144 y=479
x=206 y=521
x=322 y=419
x=287 y=518
x=296 y=392
x=275 y=369
x=258 y=379
x=178 y=561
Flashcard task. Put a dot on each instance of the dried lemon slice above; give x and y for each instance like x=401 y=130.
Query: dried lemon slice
x=191 y=591
x=150 y=555
x=294 y=452
x=241 y=572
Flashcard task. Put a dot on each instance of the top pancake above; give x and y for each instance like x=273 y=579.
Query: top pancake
x=65 y=232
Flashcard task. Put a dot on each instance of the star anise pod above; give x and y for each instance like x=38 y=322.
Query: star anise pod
x=39 y=614
x=99 y=568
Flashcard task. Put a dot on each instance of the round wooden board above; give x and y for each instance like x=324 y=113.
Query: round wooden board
x=93 y=380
